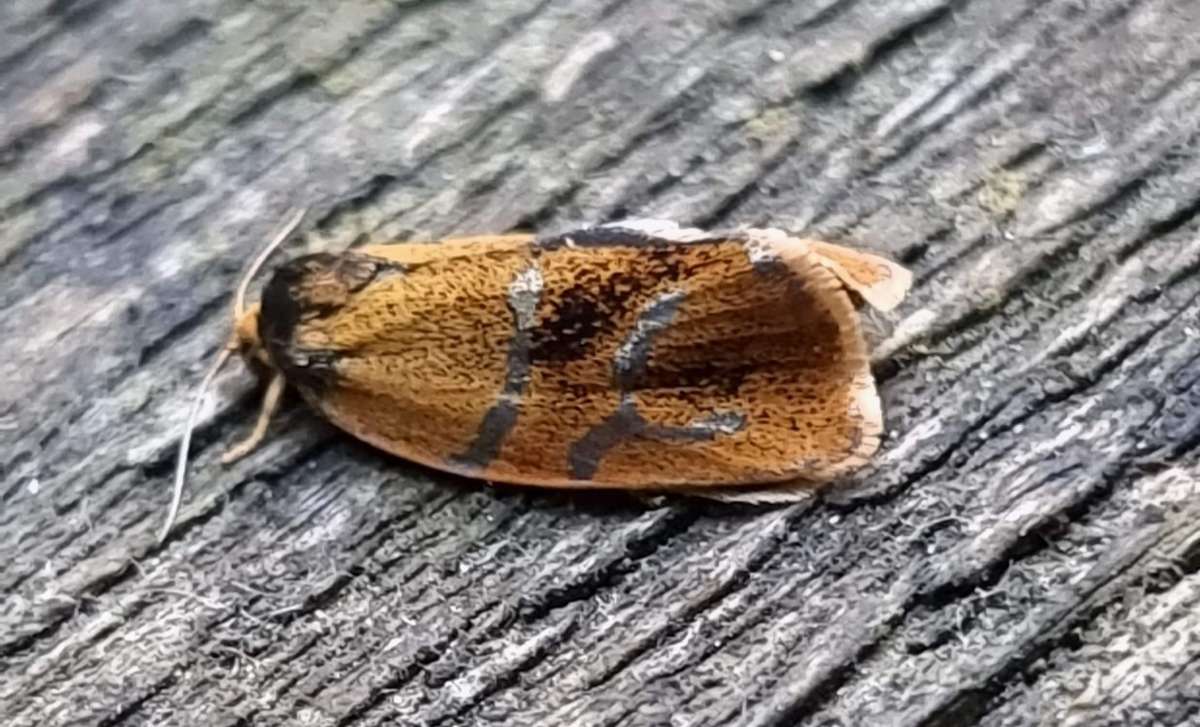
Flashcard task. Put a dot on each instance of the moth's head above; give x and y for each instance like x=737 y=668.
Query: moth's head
x=246 y=341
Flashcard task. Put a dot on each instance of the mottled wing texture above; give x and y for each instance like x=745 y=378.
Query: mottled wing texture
x=404 y=346
x=635 y=357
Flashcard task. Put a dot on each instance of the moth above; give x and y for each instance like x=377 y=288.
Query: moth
x=638 y=355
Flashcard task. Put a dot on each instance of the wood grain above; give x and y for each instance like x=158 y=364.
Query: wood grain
x=1025 y=550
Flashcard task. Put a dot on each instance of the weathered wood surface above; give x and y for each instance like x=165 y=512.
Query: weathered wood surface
x=1025 y=551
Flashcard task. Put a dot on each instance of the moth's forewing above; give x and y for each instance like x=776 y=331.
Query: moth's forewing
x=413 y=361
x=607 y=357
x=454 y=247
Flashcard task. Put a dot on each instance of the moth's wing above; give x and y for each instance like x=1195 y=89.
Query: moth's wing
x=421 y=353
x=717 y=361
x=598 y=359
x=881 y=283
x=401 y=345
x=416 y=253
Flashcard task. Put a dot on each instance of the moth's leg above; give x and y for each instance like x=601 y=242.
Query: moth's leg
x=270 y=404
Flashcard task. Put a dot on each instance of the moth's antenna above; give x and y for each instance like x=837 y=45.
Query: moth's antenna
x=239 y=308
x=186 y=440
x=239 y=300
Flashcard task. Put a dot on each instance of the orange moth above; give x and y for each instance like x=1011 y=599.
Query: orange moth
x=635 y=355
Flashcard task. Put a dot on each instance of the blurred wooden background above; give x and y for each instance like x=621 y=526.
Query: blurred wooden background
x=1026 y=549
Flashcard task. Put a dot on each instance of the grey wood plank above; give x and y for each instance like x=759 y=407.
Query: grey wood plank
x=1024 y=550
